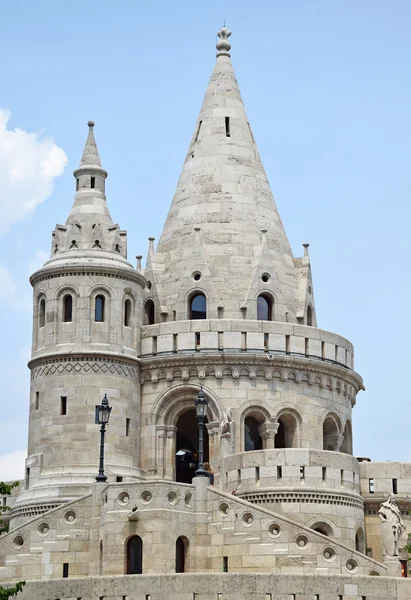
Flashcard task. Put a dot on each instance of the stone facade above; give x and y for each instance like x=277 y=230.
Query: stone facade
x=224 y=307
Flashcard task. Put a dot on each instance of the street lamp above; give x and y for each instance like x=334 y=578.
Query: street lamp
x=201 y=403
x=103 y=411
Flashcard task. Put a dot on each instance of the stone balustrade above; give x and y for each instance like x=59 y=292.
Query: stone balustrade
x=290 y=468
x=224 y=335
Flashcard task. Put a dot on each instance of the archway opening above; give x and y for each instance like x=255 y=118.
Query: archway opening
x=324 y=528
x=252 y=437
x=359 y=540
x=181 y=554
x=135 y=555
x=187 y=446
x=330 y=434
x=286 y=436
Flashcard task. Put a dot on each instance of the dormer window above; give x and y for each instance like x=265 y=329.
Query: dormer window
x=264 y=308
x=198 y=307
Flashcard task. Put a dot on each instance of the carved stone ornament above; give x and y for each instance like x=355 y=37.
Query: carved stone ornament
x=392 y=526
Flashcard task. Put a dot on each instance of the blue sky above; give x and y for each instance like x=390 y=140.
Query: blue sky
x=327 y=90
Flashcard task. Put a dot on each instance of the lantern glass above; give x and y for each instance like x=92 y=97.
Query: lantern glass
x=104 y=414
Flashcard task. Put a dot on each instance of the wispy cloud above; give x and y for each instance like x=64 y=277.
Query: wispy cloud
x=29 y=163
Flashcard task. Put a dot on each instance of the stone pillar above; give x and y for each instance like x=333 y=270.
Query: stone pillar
x=267 y=432
x=213 y=449
x=170 y=453
x=159 y=457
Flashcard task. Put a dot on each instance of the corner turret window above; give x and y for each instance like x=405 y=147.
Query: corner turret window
x=68 y=308
x=99 y=308
x=127 y=313
x=198 y=307
x=264 y=308
x=42 y=313
x=309 y=315
x=149 y=313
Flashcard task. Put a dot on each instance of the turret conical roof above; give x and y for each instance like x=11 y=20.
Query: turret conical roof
x=224 y=191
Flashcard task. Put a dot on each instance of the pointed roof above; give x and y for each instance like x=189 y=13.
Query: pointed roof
x=223 y=189
x=90 y=152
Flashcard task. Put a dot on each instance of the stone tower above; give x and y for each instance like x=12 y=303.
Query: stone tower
x=86 y=333
x=229 y=308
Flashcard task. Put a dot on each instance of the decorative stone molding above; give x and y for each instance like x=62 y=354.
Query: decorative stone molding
x=306 y=497
x=63 y=365
x=342 y=381
x=51 y=272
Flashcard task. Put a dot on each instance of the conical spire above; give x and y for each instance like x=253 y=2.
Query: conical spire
x=224 y=190
x=90 y=153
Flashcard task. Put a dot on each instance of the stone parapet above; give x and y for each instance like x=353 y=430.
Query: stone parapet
x=222 y=586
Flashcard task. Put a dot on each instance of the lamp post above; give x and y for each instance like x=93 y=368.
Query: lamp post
x=103 y=411
x=201 y=403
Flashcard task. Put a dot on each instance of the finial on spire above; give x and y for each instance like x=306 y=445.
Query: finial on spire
x=90 y=154
x=223 y=45
x=306 y=246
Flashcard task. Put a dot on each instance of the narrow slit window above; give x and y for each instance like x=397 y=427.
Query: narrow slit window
x=154 y=338
x=371 y=486
x=394 y=486
x=63 y=405
x=221 y=340
x=198 y=131
x=198 y=340
x=302 y=473
x=68 y=308
x=27 y=480
x=307 y=346
x=287 y=344
x=175 y=342
x=266 y=345
x=37 y=401
x=257 y=474
x=227 y=127
x=279 y=472
x=238 y=477
x=99 y=308
x=127 y=427
x=324 y=474
x=77 y=184
x=225 y=564
x=65 y=570
x=323 y=350
x=244 y=340
x=92 y=182
x=127 y=313
x=42 y=313
x=342 y=477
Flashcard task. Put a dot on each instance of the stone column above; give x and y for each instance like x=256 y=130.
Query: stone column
x=213 y=450
x=267 y=432
x=170 y=453
x=159 y=458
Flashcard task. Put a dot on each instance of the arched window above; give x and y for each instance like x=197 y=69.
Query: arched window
x=198 y=307
x=42 y=313
x=252 y=437
x=149 y=313
x=264 y=308
x=127 y=312
x=181 y=554
x=99 y=308
x=67 y=308
x=135 y=555
x=309 y=315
